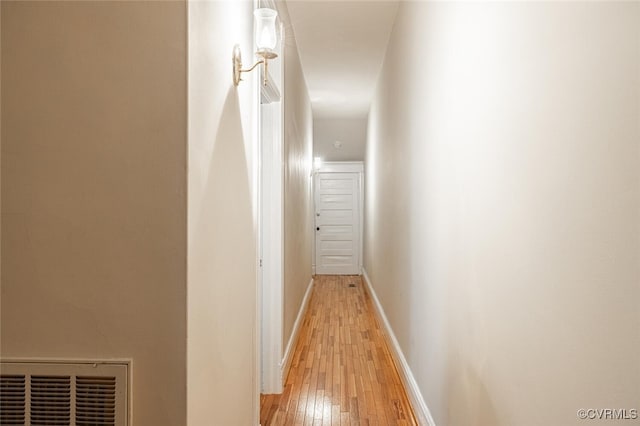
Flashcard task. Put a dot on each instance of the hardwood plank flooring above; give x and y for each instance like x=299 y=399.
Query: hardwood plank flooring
x=342 y=372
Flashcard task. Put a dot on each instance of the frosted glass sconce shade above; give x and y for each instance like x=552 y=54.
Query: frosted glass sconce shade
x=265 y=20
x=266 y=41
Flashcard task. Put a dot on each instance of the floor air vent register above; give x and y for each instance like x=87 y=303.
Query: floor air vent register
x=65 y=394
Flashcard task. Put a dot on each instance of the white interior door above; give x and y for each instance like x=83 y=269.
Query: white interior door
x=337 y=221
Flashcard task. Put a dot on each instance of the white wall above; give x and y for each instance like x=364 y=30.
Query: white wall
x=222 y=370
x=298 y=142
x=95 y=180
x=94 y=190
x=502 y=227
x=352 y=132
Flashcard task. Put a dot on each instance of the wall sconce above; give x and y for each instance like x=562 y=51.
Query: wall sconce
x=266 y=40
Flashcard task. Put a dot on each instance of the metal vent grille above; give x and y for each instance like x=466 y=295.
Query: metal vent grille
x=50 y=400
x=63 y=394
x=12 y=399
x=95 y=401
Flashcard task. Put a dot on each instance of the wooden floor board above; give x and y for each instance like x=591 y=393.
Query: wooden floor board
x=342 y=372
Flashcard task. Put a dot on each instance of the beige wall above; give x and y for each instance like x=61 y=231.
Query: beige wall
x=222 y=388
x=502 y=227
x=94 y=190
x=352 y=132
x=298 y=140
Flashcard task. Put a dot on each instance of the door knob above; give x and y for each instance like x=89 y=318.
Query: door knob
x=318 y=228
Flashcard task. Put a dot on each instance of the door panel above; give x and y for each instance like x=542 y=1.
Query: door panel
x=337 y=204
x=335 y=245
x=335 y=260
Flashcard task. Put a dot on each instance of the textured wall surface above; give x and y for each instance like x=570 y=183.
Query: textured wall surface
x=502 y=229
x=222 y=369
x=350 y=132
x=94 y=190
x=298 y=143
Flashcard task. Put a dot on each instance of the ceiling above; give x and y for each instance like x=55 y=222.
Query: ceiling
x=342 y=45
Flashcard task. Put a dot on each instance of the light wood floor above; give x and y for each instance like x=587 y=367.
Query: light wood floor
x=342 y=372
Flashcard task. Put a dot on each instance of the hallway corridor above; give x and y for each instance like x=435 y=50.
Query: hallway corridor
x=342 y=372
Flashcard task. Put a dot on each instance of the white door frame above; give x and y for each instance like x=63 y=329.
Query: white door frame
x=270 y=232
x=340 y=167
x=272 y=253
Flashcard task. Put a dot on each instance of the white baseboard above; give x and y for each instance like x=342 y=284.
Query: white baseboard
x=420 y=409
x=285 y=365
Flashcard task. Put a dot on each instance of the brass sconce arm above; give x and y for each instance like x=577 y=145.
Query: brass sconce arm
x=237 y=64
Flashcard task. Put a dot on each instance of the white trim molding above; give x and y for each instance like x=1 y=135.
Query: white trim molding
x=341 y=167
x=420 y=409
x=285 y=365
x=271 y=230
